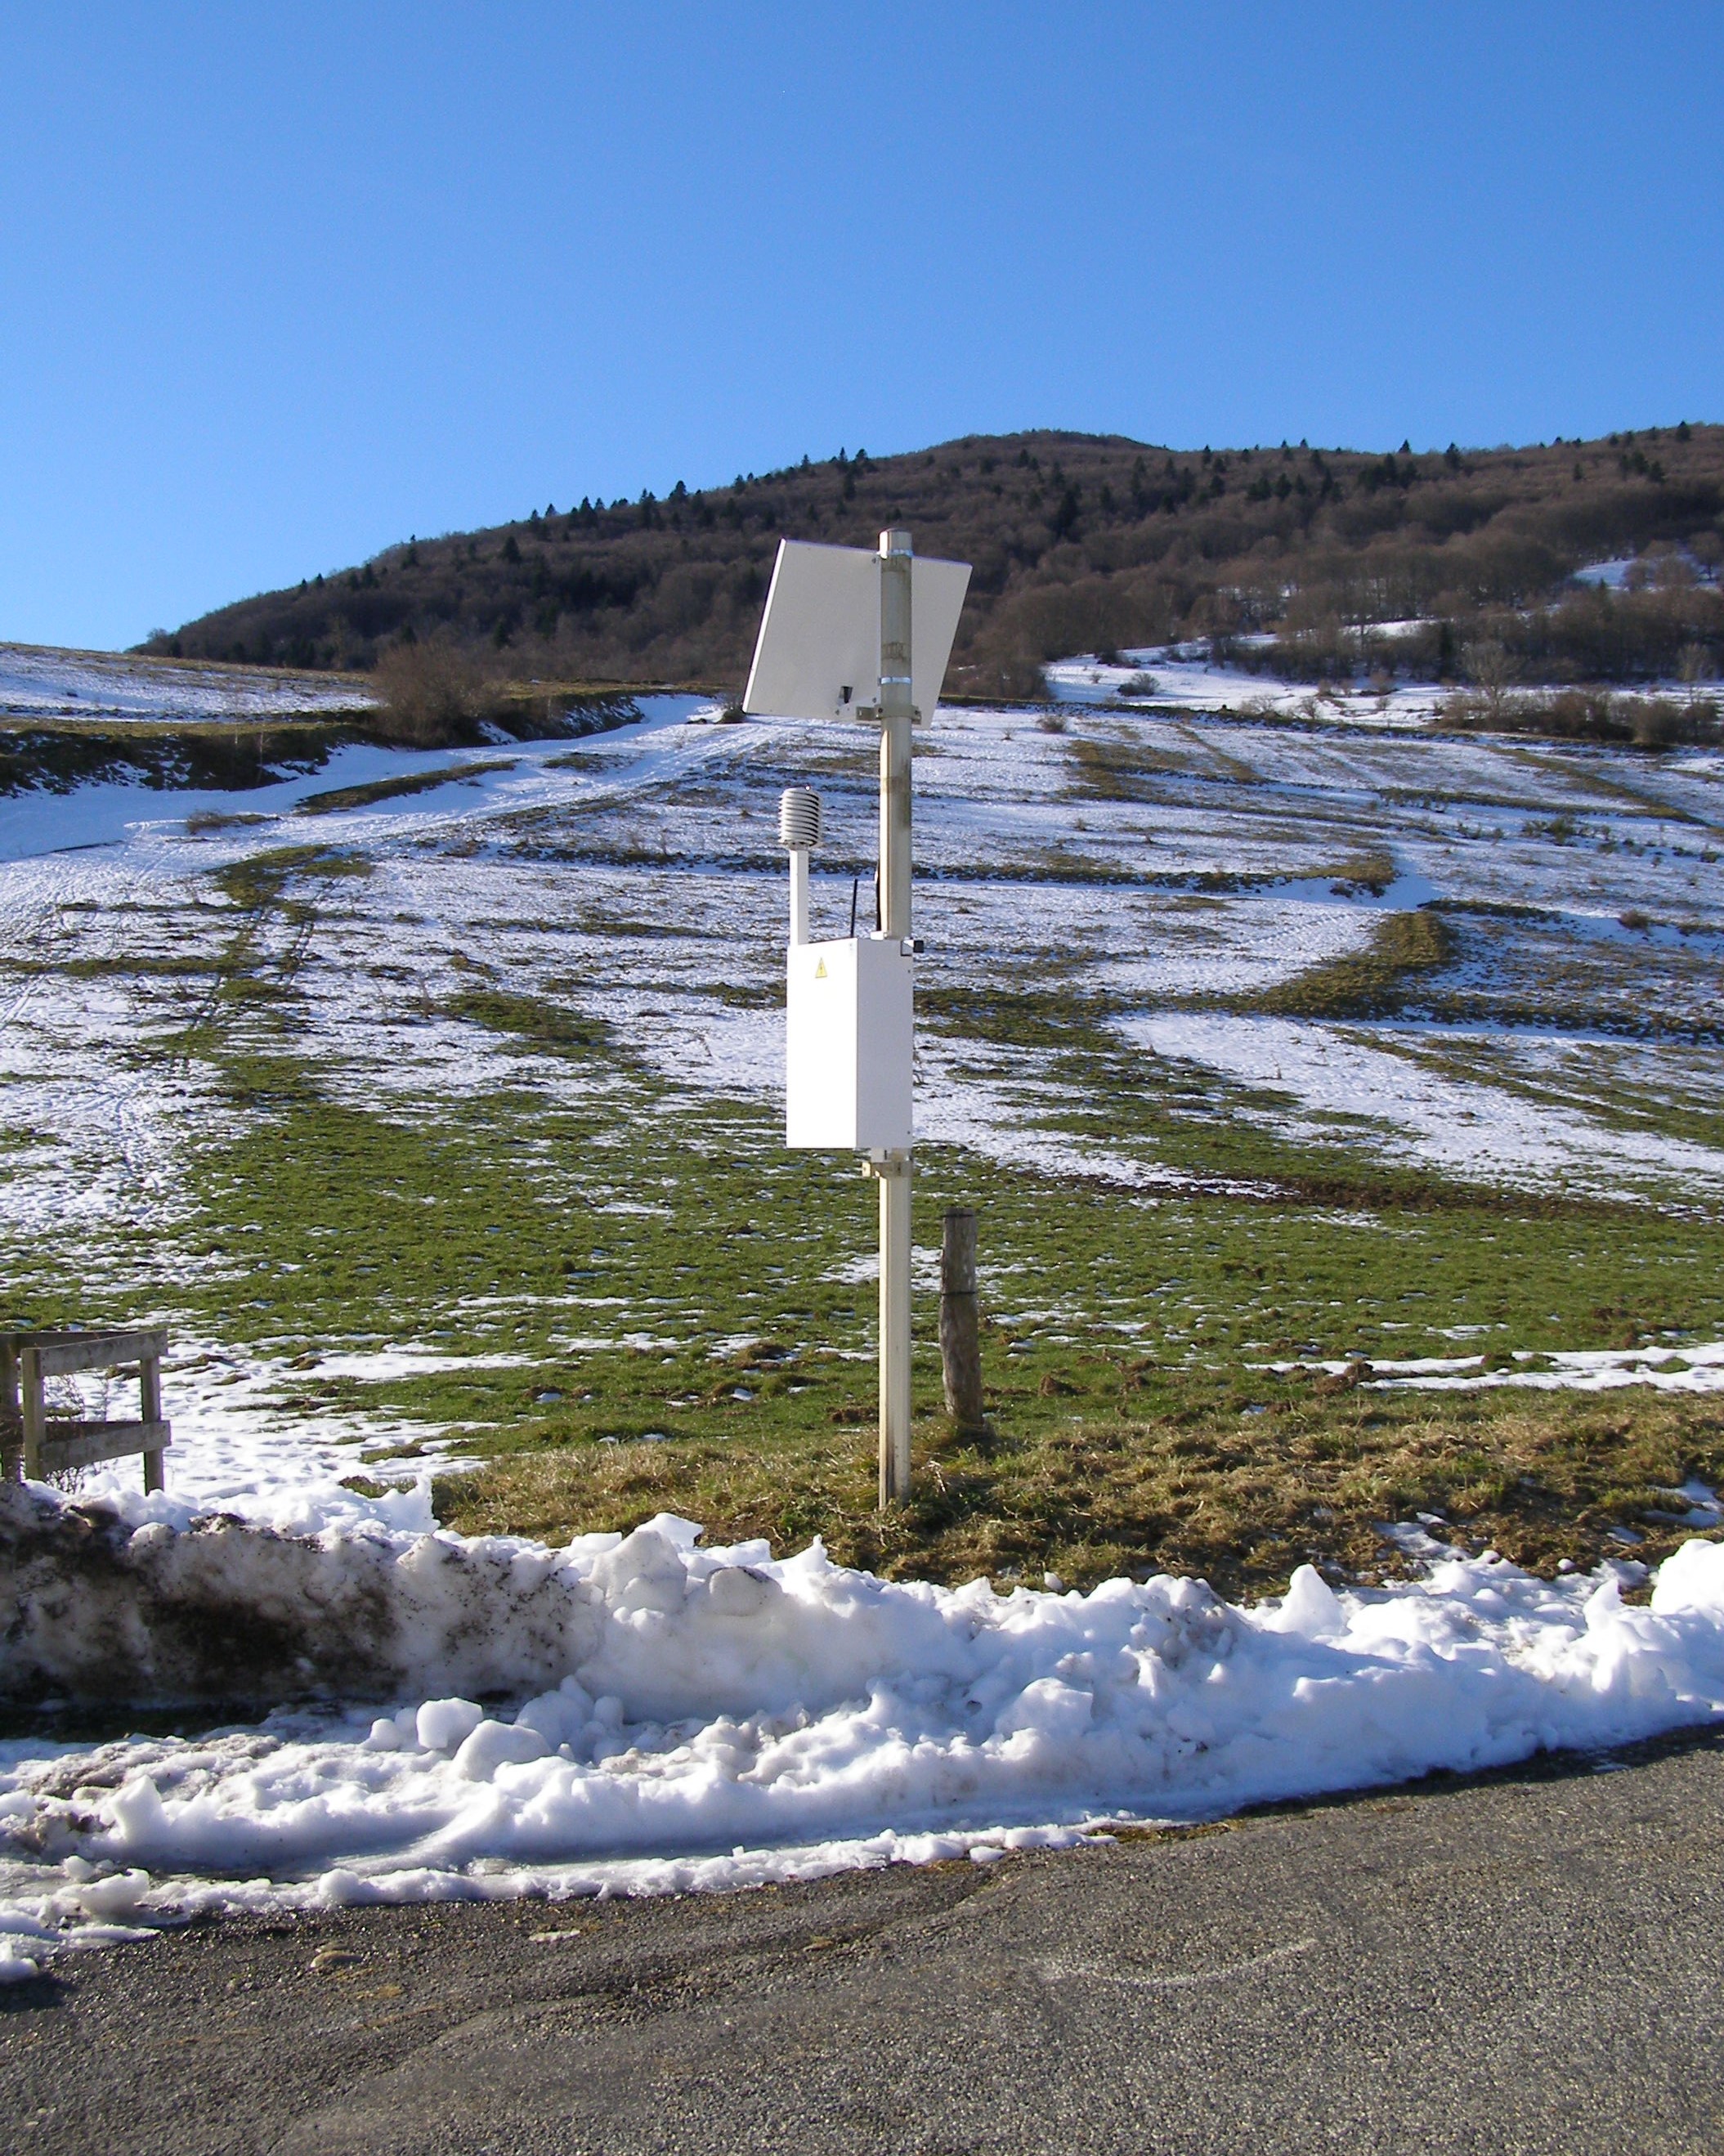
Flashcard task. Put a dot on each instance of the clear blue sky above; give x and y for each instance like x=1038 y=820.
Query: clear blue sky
x=280 y=287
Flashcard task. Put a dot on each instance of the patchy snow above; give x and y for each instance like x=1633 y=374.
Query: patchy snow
x=1478 y=1131
x=688 y=1717
x=1008 y=1123
x=1243 y=946
x=39 y=681
x=634 y=878
x=246 y=1444
x=1698 y=1369
x=1611 y=575
x=1186 y=680
x=1695 y=1369
x=691 y=1702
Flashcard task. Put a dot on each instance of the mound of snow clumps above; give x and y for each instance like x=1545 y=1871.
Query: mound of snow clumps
x=639 y=1714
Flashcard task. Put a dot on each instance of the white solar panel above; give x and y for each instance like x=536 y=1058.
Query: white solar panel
x=818 y=656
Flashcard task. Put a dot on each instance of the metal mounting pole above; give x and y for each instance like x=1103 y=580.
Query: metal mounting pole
x=894 y=1169
x=798 y=895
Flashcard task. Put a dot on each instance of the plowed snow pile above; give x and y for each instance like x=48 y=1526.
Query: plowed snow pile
x=679 y=1716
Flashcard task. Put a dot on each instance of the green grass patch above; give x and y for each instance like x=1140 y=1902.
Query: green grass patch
x=1023 y=1018
x=133 y=965
x=1404 y=949
x=1373 y=870
x=1226 y=765
x=1130 y=770
x=676 y=1275
x=528 y=1017
x=390 y=789
x=1127 y=766
x=259 y=880
x=203 y=822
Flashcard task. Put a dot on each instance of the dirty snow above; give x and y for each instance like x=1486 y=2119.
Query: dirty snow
x=682 y=1717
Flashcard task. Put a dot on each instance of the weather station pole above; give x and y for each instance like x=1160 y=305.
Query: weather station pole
x=894 y=1167
x=835 y=645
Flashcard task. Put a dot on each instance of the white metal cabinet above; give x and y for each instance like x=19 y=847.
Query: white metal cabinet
x=848 y=1059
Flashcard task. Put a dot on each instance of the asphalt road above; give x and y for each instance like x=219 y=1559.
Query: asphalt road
x=1534 y=1962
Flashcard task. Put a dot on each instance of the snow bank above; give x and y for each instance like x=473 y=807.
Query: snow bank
x=139 y=1598
x=710 y=1718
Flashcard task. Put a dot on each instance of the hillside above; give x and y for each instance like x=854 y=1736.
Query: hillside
x=1081 y=543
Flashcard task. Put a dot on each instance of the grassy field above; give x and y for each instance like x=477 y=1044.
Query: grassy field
x=1176 y=1477
x=610 y=1288
x=688 y=1333
x=1124 y=1344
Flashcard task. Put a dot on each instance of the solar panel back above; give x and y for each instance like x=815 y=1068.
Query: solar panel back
x=817 y=654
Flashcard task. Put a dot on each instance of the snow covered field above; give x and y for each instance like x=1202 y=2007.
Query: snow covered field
x=1427 y=1113
x=1184 y=864
x=1183 y=678
x=1163 y=875
x=1114 y=893
x=38 y=682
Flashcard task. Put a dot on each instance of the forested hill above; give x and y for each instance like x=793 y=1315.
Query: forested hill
x=1081 y=542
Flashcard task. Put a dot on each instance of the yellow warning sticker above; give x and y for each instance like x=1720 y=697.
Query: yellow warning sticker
x=820 y=969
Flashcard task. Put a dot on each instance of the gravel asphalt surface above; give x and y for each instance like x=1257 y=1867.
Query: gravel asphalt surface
x=1530 y=1962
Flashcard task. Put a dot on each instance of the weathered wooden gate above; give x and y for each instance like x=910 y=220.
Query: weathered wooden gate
x=34 y=1446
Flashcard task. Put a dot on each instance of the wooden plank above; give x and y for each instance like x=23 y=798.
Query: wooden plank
x=72 y=1351
x=47 y=1336
x=84 y=1444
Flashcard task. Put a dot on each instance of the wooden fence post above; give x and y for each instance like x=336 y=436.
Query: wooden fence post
x=960 y=1337
x=35 y=1412
x=150 y=1399
x=11 y=1413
